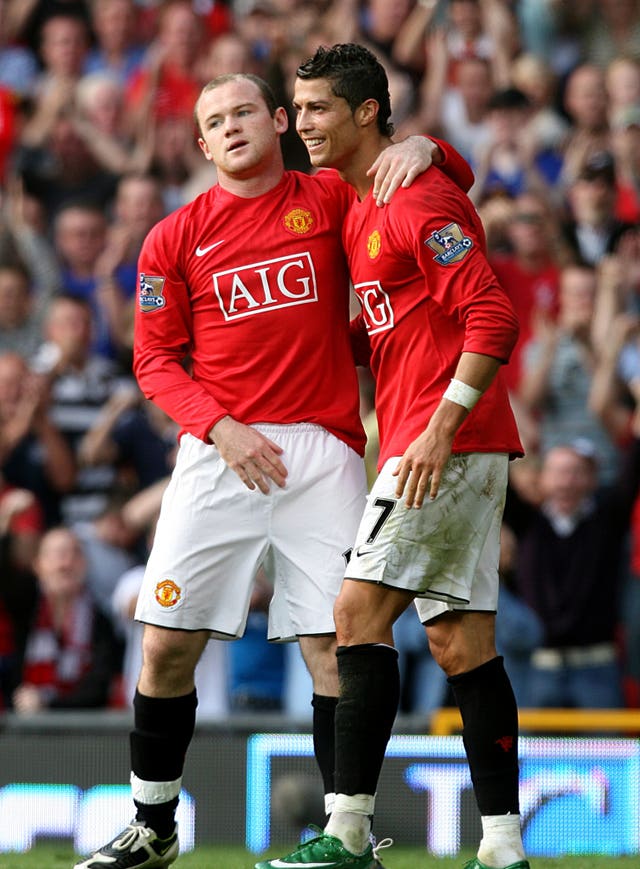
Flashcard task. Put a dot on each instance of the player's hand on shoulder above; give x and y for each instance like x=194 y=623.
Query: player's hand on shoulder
x=252 y=456
x=400 y=164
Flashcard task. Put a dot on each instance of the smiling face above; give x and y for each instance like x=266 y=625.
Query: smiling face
x=326 y=124
x=237 y=131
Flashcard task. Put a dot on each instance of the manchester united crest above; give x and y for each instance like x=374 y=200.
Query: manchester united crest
x=299 y=221
x=168 y=593
x=450 y=244
x=373 y=244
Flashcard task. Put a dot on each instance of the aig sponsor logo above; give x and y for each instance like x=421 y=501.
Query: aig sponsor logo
x=376 y=307
x=263 y=286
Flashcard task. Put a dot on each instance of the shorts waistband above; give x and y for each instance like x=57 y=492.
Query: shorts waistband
x=288 y=428
x=574 y=656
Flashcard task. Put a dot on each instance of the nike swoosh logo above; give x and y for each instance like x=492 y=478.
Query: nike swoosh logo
x=280 y=864
x=162 y=851
x=360 y=551
x=200 y=251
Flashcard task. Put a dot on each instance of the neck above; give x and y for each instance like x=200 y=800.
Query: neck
x=354 y=172
x=255 y=184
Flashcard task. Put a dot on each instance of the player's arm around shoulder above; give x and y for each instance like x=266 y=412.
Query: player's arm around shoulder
x=401 y=163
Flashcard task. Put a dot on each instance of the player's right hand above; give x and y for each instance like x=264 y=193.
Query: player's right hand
x=254 y=457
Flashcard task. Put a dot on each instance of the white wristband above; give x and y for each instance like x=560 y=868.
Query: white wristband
x=461 y=393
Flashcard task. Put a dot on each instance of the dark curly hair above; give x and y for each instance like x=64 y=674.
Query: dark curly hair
x=355 y=74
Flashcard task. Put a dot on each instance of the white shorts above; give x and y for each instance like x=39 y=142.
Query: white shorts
x=214 y=533
x=446 y=553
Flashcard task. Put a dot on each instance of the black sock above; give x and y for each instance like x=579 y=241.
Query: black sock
x=163 y=728
x=324 y=738
x=490 y=735
x=367 y=707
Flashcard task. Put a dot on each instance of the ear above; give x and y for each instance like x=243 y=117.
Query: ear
x=281 y=120
x=204 y=148
x=367 y=112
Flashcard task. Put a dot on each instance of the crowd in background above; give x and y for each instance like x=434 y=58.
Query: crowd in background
x=97 y=143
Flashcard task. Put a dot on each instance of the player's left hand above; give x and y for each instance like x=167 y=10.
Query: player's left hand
x=420 y=469
x=400 y=164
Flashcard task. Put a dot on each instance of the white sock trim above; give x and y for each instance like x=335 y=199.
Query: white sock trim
x=359 y=804
x=501 y=842
x=152 y=793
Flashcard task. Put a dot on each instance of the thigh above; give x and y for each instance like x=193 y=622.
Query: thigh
x=440 y=551
x=312 y=530
x=210 y=539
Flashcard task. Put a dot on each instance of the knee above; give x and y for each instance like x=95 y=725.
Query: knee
x=462 y=643
x=454 y=656
x=166 y=660
x=346 y=617
x=319 y=654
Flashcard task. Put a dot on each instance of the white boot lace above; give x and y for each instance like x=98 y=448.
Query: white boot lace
x=381 y=846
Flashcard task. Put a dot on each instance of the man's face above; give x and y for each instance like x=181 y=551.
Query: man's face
x=325 y=123
x=60 y=564
x=237 y=133
x=566 y=479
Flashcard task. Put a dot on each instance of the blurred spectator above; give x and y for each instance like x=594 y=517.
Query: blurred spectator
x=379 y=22
x=138 y=205
x=27 y=18
x=496 y=212
x=25 y=244
x=166 y=85
x=536 y=79
x=177 y=163
x=21 y=316
x=71 y=654
x=80 y=237
x=108 y=546
x=569 y=571
x=519 y=630
x=553 y=31
x=585 y=102
x=117 y=50
x=18 y=65
x=34 y=455
x=251 y=688
x=20 y=529
x=622 y=83
x=470 y=29
x=625 y=150
x=81 y=382
x=529 y=272
x=558 y=372
x=465 y=108
x=63 y=169
x=612 y=29
x=227 y=53
x=135 y=436
x=64 y=44
x=265 y=29
x=102 y=123
x=592 y=229
x=512 y=160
